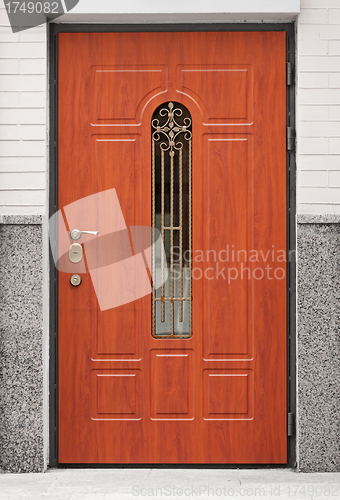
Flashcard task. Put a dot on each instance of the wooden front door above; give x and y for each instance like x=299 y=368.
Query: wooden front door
x=218 y=394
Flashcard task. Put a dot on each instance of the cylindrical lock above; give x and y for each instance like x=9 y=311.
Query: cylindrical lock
x=75 y=280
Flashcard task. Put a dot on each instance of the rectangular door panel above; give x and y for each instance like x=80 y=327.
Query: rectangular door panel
x=116 y=394
x=224 y=91
x=171 y=385
x=228 y=394
x=228 y=207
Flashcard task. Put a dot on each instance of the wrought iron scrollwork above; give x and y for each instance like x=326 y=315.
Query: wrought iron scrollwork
x=171 y=129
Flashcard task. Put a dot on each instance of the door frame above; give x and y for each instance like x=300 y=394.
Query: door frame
x=53 y=31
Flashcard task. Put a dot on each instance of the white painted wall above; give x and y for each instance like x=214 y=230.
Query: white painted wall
x=22 y=119
x=318 y=126
x=23 y=99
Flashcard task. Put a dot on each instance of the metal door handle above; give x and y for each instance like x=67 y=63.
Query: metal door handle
x=76 y=234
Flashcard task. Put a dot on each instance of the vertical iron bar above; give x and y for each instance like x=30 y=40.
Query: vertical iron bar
x=180 y=235
x=153 y=239
x=190 y=242
x=172 y=239
x=162 y=229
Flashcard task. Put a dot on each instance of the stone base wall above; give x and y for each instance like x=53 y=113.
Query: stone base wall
x=21 y=344
x=318 y=343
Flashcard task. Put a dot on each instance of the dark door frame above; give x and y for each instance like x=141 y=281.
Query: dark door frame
x=54 y=29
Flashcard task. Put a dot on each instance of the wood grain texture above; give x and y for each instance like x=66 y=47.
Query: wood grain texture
x=224 y=389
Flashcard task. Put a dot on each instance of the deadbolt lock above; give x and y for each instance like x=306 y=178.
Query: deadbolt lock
x=75 y=253
x=75 y=280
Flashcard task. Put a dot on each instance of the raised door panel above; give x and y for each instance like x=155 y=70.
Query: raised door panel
x=227 y=284
x=116 y=394
x=224 y=92
x=122 y=91
x=172 y=394
x=228 y=394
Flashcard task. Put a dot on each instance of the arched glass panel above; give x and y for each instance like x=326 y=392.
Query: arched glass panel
x=171 y=215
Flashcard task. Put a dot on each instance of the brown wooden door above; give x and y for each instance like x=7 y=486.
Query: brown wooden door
x=219 y=396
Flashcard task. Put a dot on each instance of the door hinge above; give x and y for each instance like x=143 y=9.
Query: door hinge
x=290 y=73
x=290 y=138
x=290 y=424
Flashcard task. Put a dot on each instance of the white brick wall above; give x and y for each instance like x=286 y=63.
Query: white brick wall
x=318 y=107
x=23 y=113
x=23 y=86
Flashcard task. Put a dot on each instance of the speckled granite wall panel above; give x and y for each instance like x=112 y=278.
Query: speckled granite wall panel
x=318 y=346
x=21 y=347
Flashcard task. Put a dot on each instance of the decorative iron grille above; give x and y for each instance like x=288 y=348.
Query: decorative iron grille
x=172 y=215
